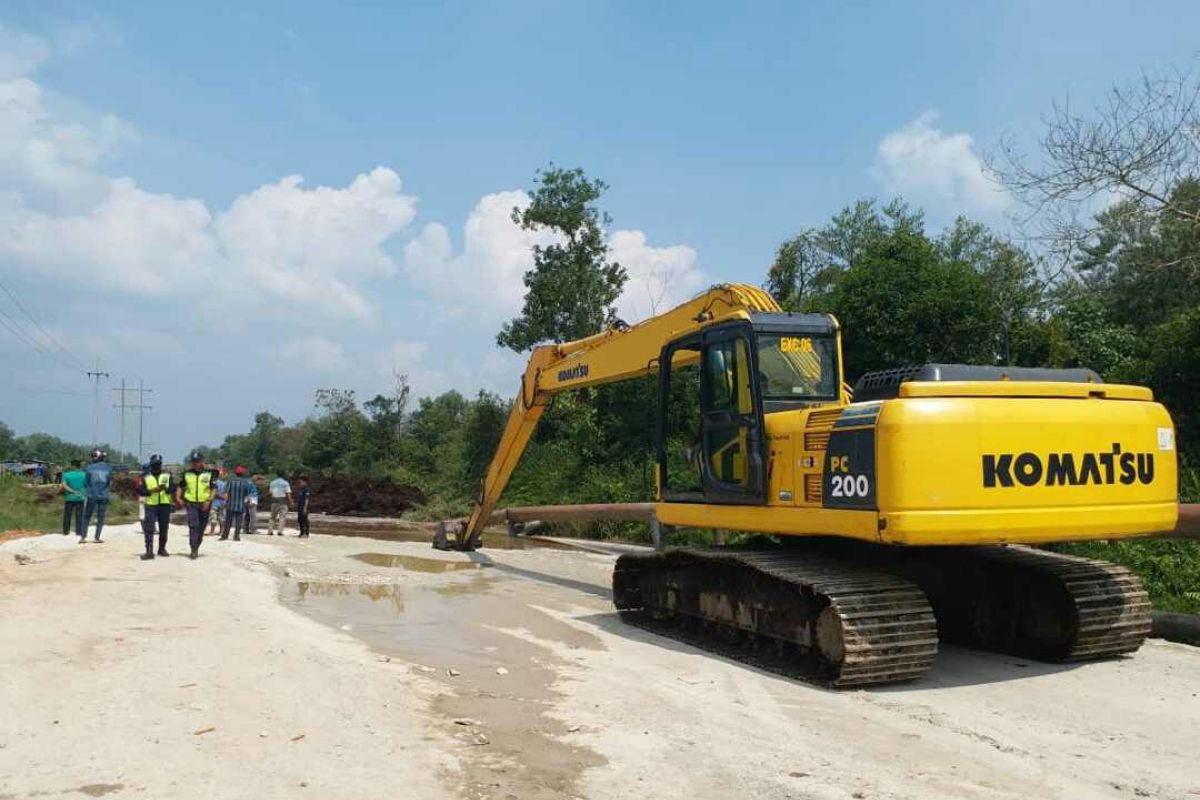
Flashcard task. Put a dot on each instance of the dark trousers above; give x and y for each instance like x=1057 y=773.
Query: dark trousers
x=236 y=520
x=96 y=506
x=302 y=521
x=73 y=517
x=197 y=517
x=158 y=516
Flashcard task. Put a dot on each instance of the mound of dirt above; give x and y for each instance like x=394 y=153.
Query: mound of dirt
x=355 y=496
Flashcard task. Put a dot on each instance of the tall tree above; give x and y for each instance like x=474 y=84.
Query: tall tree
x=1134 y=147
x=572 y=287
x=806 y=267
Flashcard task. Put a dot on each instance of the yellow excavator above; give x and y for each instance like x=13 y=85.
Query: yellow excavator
x=896 y=512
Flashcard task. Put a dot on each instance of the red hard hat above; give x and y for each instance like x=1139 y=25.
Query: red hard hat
x=239 y=470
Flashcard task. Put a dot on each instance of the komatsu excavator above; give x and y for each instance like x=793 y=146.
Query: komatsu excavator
x=904 y=508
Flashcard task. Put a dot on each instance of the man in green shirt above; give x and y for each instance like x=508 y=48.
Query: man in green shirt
x=73 y=484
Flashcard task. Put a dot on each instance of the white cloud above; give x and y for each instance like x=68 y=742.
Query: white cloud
x=20 y=53
x=314 y=353
x=484 y=281
x=939 y=169
x=60 y=213
x=659 y=277
x=405 y=354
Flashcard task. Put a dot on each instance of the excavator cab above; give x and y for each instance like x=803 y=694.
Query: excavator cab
x=715 y=386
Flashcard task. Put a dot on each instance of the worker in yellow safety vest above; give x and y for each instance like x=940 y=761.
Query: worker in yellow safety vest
x=194 y=493
x=156 y=490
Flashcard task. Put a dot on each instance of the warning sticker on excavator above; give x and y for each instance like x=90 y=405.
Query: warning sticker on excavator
x=795 y=344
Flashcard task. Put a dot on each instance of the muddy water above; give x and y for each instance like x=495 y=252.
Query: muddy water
x=416 y=563
x=457 y=621
x=491 y=539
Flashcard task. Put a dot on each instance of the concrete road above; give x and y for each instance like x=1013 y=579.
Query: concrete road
x=349 y=667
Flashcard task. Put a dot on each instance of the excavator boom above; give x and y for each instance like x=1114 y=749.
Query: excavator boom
x=614 y=355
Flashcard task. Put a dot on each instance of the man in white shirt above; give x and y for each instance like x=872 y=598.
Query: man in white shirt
x=281 y=498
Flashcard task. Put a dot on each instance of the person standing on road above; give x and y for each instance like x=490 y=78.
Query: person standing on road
x=74 y=482
x=97 y=480
x=252 y=508
x=156 y=489
x=194 y=493
x=217 y=517
x=302 y=499
x=236 y=494
x=281 y=499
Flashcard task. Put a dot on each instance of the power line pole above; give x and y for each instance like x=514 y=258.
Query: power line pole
x=141 y=419
x=121 y=435
x=95 y=378
x=141 y=409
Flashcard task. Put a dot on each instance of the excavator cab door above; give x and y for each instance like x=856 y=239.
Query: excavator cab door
x=725 y=458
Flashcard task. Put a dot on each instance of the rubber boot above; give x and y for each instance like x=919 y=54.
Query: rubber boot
x=147 y=556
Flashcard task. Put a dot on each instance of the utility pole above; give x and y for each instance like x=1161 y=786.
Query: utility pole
x=121 y=435
x=95 y=378
x=141 y=418
x=141 y=409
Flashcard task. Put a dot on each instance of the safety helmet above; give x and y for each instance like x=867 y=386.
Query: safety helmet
x=156 y=459
x=97 y=455
x=239 y=470
x=195 y=456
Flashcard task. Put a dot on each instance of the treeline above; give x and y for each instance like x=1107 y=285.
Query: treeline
x=44 y=447
x=442 y=446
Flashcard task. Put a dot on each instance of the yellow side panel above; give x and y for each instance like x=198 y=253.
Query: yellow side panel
x=933 y=469
x=1112 y=391
x=772 y=519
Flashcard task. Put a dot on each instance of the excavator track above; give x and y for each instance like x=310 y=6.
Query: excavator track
x=1033 y=603
x=820 y=618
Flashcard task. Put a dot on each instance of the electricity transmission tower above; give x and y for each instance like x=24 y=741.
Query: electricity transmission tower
x=140 y=406
x=95 y=378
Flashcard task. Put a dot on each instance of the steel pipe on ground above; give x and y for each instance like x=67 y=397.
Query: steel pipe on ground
x=1188 y=526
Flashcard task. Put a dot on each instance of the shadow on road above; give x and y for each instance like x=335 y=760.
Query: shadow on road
x=542 y=577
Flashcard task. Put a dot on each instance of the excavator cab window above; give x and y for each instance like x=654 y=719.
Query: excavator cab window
x=797 y=368
x=682 y=459
x=721 y=436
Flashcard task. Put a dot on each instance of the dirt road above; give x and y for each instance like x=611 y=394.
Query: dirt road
x=354 y=668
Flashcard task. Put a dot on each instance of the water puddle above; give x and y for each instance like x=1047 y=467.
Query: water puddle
x=415 y=563
x=491 y=539
x=385 y=599
x=399 y=619
x=457 y=634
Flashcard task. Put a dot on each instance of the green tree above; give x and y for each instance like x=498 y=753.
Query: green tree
x=902 y=303
x=572 y=287
x=481 y=432
x=334 y=433
x=264 y=439
x=7 y=441
x=807 y=266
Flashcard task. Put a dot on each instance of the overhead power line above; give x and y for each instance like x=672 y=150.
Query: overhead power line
x=55 y=343
x=24 y=338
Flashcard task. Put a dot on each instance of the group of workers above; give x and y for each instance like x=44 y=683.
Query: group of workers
x=203 y=493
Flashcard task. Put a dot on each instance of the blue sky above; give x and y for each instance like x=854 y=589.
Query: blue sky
x=148 y=217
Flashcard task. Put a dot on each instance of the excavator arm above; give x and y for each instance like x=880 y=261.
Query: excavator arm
x=614 y=355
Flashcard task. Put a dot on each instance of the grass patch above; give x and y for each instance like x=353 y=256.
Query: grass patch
x=1170 y=569
x=40 y=509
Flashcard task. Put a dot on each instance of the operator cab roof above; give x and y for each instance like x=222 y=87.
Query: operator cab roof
x=793 y=322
